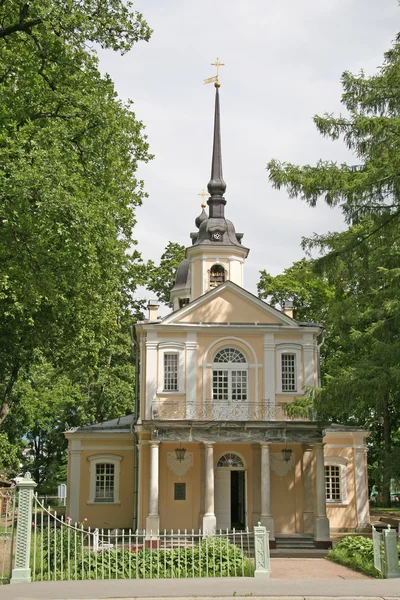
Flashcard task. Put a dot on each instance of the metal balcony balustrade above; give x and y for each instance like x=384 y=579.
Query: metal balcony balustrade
x=218 y=410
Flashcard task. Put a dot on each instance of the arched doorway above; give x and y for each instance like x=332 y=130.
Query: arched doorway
x=230 y=492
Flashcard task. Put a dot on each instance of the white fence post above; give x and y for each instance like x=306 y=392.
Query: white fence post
x=22 y=572
x=391 y=553
x=261 y=552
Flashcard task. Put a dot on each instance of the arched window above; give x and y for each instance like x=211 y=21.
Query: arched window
x=217 y=275
x=230 y=460
x=230 y=375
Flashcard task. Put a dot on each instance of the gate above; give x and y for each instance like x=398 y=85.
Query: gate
x=7 y=522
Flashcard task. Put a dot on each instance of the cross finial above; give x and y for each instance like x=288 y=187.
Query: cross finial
x=203 y=195
x=215 y=79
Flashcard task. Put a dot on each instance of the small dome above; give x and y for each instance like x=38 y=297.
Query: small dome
x=201 y=218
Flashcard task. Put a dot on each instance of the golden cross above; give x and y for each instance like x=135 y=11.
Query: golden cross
x=214 y=79
x=217 y=64
x=203 y=195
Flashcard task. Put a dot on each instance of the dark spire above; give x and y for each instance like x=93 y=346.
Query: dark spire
x=217 y=185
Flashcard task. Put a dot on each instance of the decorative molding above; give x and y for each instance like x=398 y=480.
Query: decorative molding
x=280 y=466
x=180 y=467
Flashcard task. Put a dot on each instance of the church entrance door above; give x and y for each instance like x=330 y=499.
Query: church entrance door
x=230 y=494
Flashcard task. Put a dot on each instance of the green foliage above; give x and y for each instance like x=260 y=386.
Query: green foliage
x=9 y=458
x=212 y=557
x=160 y=279
x=70 y=150
x=357 y=553
x=361 y=382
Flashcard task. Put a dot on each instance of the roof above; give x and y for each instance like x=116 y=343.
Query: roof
x=121 y=423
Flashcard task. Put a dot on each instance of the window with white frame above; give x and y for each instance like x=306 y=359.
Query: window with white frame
x=332 y=483
x=335 y=479
x=171 y=368
x=170 y=372
x=104 y=478
x=105 y=482
x=288 y=369
x=229 y=376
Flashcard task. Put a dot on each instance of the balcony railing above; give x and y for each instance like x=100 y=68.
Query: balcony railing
x=216 y=410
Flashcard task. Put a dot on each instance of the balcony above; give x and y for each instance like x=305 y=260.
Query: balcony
x=216 y=410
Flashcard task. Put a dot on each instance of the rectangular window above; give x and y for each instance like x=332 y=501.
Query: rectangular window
x=288 y=372
x=239 y=385
x=220 y=385
x=180 y=491
x=332 y=483
x=170 y=372
x=104 y=483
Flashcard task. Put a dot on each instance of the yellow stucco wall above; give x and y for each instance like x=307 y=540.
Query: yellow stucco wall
x=108 y=515
x=228 y=307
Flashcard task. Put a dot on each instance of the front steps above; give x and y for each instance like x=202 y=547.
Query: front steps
x=296 y=546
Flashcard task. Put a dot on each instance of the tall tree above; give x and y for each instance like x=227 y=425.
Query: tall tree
x=160 y=278
x=363 y=262
x=68 y=185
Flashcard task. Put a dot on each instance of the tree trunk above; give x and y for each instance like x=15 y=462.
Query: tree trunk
x=7 y=394
x=387 y=450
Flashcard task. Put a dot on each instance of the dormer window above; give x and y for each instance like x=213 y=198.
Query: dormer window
x=217 y=275
x=183 y=302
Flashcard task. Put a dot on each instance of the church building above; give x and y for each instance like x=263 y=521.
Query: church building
x=212 y=443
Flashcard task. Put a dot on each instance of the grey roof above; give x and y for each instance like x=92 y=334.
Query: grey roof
x=202 y=217
x=182 y=279
x=121 y=423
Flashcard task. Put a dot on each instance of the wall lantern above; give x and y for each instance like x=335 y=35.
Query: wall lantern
x=287 y=454
x=180 y=453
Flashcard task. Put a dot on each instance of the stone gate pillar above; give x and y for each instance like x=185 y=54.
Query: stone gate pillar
x=21 y=572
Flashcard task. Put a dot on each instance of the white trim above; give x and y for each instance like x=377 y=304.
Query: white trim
x=270 y=310
x=360 y=480
x=74 y=479
x=269 y=367
x=112 y=459
x=170 y=347
x=151 y=370
x=285 y=348
x=191 y=373
x=130 y=448
x=341 y=462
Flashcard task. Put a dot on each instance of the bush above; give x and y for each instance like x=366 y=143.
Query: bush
x=212 y=557
x=357 y=553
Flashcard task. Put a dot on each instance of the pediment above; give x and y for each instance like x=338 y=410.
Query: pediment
x=229 y=303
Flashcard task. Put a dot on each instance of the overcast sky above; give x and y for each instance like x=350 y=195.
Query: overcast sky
x=284 y=60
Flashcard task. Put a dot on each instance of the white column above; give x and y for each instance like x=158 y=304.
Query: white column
x=191 y=375
x=308 y=511
x=153 y=518
x=321 y=520
x=74 y=480
x=362 y=501
x=269 y=371
x=266 y=517
x=209 y=519
x=151 y=372
x=309 y=363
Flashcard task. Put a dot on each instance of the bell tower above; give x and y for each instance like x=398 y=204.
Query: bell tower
x=216 y=254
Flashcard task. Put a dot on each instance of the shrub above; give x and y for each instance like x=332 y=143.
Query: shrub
x=357 y=553
x=212 y=557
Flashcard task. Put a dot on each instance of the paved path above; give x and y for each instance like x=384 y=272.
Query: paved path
x=291 y=579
